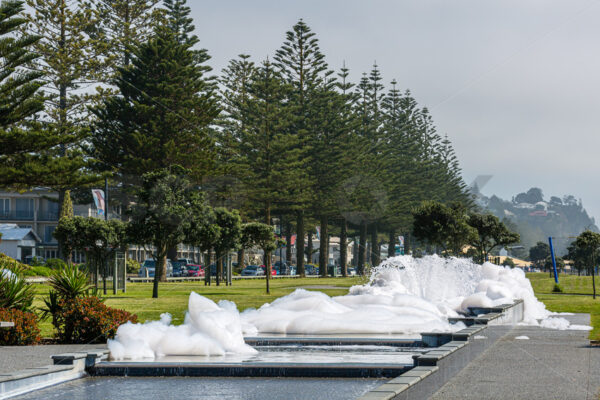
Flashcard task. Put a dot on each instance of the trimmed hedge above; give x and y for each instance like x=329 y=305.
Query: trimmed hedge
x=88 y=320
x=25 y=332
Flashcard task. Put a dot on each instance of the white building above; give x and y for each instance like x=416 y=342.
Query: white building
x=18 y=243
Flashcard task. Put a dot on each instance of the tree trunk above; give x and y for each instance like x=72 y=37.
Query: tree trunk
x=207 y=269
x=268 y=253
x=344 y=247
x=160 y=257
x=288 y=246
x=407 y=243
x=392 y=244
x=309 y=246
x=375 y=248
x=300 y=244
x=241 y=254
x=172 y=254
x=355 y=251
x=362 y=248
x=219 y=266
x=163 y=271
x=323 y=247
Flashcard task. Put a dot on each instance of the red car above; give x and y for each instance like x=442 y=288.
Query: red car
x=194 y=270
x=273 y=270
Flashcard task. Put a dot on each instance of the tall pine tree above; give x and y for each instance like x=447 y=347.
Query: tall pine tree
x=28 y=149
x=302 y=64
x=161 y=116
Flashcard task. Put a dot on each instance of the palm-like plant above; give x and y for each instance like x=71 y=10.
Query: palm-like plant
x=69 y=283
x=15 y=292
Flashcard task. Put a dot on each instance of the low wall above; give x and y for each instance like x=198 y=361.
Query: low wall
x=66 y=367
x=452 y=352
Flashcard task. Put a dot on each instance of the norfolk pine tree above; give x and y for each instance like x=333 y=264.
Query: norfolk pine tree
x=302 y=64
x=161 y=115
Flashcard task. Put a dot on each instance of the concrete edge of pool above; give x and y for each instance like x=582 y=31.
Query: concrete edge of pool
x=450 y=353
x=433 y=369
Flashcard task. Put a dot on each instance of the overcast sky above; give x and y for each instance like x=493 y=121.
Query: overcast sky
x=514 y=84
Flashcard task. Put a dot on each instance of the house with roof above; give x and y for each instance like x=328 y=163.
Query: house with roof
x=18 y=243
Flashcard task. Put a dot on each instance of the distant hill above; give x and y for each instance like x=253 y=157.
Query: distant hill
x=536 y=218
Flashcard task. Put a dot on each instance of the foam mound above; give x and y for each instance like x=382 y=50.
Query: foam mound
x=209 y=329
x=404 y=295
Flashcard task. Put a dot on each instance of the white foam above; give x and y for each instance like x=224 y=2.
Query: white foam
x=403 y=296
x=209 y=329
x=522 y=338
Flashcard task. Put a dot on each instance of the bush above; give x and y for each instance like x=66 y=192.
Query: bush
x=133 y=267
x=25 y=331
x=15 y=292
x=11 y=264
x=37 y=271
x=557 y=288
x=70 y=282
x=55 y=263
x=88 y=320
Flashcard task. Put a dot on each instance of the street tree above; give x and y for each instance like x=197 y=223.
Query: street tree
x=161 y=216
x=262 y=236
x=539 y=253
x=230 y=234
x=443 y=226
x=491 y=233
x=585 y=251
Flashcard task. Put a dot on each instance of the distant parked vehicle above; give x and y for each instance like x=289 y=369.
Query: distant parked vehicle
x=351 y=271
x=264 y=269
x=311 y=269
x=186 y=261
x=195 y=270
x=179 y=269
x=253 y=270
x=150 y=266
x=282 y=268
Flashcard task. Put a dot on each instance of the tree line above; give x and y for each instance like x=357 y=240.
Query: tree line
x=120 y=89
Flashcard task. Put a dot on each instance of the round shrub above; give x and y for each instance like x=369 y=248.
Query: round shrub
x=25 y=331
x=88 y=320
x=55 y=263
x=133 y=267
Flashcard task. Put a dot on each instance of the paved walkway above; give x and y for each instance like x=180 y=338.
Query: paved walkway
x=552 y=364
x=16 y=358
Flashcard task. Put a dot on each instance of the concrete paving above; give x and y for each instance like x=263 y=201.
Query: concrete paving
x=552 y=364
x=16 y=358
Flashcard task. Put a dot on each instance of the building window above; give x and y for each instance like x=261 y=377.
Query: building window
x=24 y=208
x=4 y=207
x=48 y=230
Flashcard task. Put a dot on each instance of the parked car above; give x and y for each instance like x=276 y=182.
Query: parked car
x=150 y=266
x=351 y=271
x=282 y=268
x=195 y=270
x=179 y=268
x=253 y=270
x=311 y=269
x=186 y=261
x=264 y=269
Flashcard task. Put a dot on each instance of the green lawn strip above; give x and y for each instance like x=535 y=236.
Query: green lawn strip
x=173 y=297
x=572 y=284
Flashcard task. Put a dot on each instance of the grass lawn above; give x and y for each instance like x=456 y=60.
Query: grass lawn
x=173 y=297
x=571 y=300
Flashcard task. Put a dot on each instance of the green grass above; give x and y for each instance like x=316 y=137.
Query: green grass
x=571 y=301
x=173 y=297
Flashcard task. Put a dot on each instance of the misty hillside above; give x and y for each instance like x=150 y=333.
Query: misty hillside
x=536 y=218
